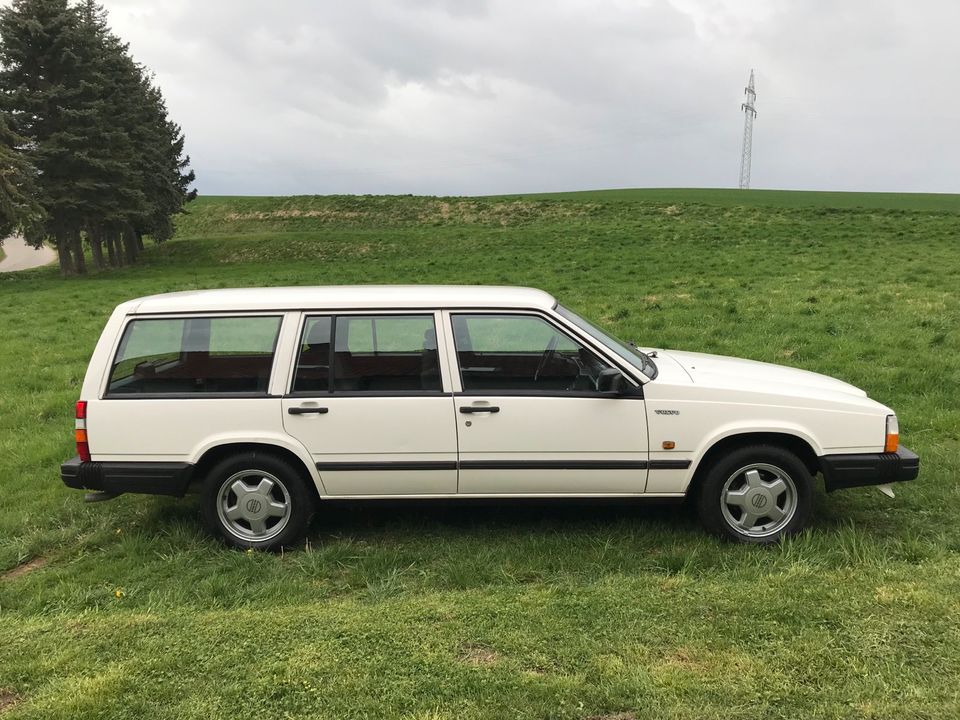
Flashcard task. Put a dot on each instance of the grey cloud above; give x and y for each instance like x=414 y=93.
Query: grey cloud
x=446 y=96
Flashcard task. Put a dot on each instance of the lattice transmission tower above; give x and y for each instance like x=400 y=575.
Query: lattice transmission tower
x=749 y=113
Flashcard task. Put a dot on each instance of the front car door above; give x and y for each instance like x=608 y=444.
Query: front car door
x=530 y=417
x=370 y=399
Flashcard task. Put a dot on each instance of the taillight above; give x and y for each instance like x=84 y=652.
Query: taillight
x=892 y=441
x=80 y=431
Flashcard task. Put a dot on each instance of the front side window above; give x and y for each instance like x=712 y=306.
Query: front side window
x=368 y=353
x=197 y=355
x=628 y=351
x=520 y=353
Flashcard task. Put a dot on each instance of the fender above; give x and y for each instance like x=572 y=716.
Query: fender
x=758 y=426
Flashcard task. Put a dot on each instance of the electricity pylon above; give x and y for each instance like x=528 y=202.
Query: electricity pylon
x=749 y=113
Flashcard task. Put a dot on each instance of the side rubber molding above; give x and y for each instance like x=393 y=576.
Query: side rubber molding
x=847 y=471
x=116 y=478
x=509 y=465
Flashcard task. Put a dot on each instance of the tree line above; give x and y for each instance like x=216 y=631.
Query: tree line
x=90 y=162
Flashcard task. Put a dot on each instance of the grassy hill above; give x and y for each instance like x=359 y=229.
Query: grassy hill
x=246 y=214
x=768 y=198
x=127 y=609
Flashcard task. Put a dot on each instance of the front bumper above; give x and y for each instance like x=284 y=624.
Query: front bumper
x=847 y=471
x=116 y=478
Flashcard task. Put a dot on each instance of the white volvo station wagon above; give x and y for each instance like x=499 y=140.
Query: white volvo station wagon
x=270 y=400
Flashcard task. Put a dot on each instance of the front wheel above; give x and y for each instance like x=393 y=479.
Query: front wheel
x=255 y=500
x=757 y=494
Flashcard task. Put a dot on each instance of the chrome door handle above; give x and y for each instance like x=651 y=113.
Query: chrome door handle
x=479 y=409
x=308 y=410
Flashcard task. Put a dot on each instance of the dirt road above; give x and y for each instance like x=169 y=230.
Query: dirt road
x=20 y=256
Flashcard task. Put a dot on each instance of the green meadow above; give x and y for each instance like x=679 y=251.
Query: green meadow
x=128 y=609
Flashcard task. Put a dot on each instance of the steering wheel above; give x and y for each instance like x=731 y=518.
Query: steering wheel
x=547 y=356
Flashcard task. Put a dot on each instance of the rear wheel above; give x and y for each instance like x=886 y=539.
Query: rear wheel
x=255 y=500
x=757 y=494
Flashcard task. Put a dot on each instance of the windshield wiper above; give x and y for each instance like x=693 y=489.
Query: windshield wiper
x=651 y=354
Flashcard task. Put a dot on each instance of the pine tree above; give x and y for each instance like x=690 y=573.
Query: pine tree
x=166 y=173
x=116 y=194
x=19 y=210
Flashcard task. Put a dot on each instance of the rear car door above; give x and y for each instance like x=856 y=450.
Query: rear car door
x=370 y=399
x=530 y=417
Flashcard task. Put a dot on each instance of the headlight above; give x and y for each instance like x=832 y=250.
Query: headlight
x=893 y=434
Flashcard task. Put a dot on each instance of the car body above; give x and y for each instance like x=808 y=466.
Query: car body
x=269 y=398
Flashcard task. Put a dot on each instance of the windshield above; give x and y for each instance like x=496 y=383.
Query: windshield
x=628 y=351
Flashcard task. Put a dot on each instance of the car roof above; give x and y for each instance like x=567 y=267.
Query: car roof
x=344 y=297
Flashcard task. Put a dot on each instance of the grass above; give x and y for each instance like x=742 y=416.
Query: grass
x=547 y=610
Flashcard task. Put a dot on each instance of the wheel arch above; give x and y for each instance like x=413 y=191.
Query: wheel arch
x=215 y=451
x=800 y=446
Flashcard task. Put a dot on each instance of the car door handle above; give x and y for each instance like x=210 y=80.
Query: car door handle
x=308 y=410
x=479 y=409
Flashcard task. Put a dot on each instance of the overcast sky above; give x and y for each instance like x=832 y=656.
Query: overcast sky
x=501 y=96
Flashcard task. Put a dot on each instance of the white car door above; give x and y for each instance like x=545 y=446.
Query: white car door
x=370 y=399
x=531 y=419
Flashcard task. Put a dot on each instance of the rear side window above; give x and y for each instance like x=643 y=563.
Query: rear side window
x=368 y=353
x=194 y=356
x=313 y=365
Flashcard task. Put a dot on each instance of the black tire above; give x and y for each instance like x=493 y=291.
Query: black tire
x=266 y=530
x=747 y=499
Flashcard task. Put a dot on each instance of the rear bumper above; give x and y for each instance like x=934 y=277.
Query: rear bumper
x=151 y=478
x=847 y=471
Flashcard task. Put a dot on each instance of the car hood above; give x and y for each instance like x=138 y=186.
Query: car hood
x=727 y=372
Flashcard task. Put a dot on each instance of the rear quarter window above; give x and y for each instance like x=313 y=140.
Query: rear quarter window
x=195 y=356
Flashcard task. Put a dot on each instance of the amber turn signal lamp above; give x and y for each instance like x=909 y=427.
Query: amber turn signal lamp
x=893 y=434
x=669 y=444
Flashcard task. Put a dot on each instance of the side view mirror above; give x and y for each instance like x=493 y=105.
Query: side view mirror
x=611 y=381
